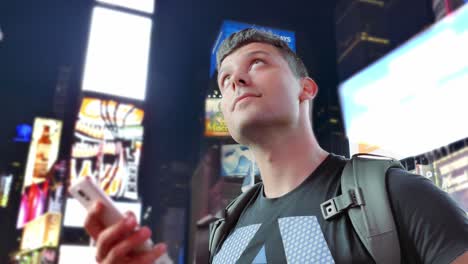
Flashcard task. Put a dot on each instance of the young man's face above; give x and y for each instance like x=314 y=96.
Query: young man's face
x=259 y=90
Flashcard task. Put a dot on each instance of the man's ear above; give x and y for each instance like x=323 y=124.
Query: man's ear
x=309 y=89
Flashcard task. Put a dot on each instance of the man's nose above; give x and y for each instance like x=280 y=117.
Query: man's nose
x=240 y=80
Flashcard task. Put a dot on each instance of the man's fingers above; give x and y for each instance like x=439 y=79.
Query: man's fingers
x=111 y=236
x=131 y=243
x=93 y=223
x=150 y=256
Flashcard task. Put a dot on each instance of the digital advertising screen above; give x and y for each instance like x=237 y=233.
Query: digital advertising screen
x=452 y=172
x=73 y=254
x=427 y=170
x=23 y=133
x=43 y=150
x=107 y=146
x=229 y=27
x=5 y=187
x=43 y=231
x=413 y=100
x=57 y=182
x=33 y=203
x=118 y=53
x=237 y=161
x=215 y=125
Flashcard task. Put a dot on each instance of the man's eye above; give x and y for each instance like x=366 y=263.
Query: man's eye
x=256 y=62
x=225 y=79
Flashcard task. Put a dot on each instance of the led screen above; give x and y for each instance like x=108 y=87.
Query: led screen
x=33 y=203
x=43 y=231
x=72 y=254
x=229 y=27
x=5 y=187
x=452 y=173
x=215 y=126
x=107 y=146
x=117 y=55
x=43 y=150
x=414 y=99
x=237 y=161
x=23 y=133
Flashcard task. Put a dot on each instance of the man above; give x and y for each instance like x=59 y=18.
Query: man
x=266 y=95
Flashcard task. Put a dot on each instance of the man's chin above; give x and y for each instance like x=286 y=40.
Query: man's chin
x=247 y=131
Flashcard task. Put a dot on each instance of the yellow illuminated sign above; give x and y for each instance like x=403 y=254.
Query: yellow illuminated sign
x=43 y=231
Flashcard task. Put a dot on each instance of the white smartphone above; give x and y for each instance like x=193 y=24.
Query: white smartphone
x=87 y=192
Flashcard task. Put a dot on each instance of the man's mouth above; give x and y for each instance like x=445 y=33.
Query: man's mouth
x=241 y=97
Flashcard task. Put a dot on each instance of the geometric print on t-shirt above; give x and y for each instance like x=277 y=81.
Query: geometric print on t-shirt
x=261 y=257
x=235 y=244
x=303 y=240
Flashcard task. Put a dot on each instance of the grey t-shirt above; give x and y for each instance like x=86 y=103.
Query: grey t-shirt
x=290 y=229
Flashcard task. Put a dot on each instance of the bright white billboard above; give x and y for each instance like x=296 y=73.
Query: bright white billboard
x=118 y=54
x=413 y=100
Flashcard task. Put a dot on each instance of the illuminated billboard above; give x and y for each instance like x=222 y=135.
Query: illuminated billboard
x=43 y=150
x=33 y=203
x=43 y=231
x=412 y=100
x=5 y=187
x=107 y=146
x=237 y=161
x=73 y=254
x=229 y=27
x=118 y=54
x=452 y=172
x=23 y=133
x=215 y=126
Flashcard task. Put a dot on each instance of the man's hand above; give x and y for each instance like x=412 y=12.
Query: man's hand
x=118 y=243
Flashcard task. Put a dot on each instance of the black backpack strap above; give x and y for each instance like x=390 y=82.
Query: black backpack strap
x=221 y=228
x=364 y=197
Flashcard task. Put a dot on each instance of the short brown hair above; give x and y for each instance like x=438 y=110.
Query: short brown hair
x=251 y=35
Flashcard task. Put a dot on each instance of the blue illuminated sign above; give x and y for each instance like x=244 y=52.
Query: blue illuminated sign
x=229 y=27
x=23 y=133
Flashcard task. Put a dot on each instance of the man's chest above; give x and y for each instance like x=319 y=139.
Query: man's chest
x=294 y=234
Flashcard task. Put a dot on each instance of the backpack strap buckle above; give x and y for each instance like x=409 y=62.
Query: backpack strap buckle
x=341 y=203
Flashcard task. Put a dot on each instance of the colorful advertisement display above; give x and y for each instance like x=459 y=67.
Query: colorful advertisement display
x=452 y=172
x=5 y=187
x=229 y=27
x=413 y=100
x=215 y=126
x=237 y=161
x=33 y=203
x=43 y=150
x=43 y=231
x=107 y=146
x=40 y=256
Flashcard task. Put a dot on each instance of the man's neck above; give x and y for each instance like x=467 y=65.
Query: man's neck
x=285 y=160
